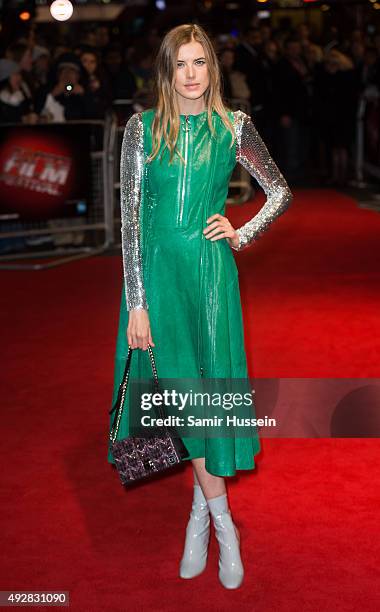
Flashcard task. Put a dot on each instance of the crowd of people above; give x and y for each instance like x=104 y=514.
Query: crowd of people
x=301 y=90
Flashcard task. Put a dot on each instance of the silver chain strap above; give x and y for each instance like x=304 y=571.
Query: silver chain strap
x=123 y=387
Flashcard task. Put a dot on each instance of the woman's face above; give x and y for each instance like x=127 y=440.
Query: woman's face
x=192 y=76
x=89 y=62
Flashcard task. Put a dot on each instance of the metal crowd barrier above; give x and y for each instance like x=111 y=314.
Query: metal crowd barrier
x=369 y=103
x=240 y=188
x=72 y=237
x=123 y=110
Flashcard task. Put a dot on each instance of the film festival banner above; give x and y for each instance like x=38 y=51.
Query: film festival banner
x=45 y=172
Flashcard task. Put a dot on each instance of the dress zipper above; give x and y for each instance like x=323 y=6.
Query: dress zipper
x=201 y=270
x=184 y=176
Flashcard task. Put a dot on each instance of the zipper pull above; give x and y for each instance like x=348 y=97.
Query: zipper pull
x=188 y=125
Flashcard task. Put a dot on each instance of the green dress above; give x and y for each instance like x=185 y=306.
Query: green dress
x=188 y=283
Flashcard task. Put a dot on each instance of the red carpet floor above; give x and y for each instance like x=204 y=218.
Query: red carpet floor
x=309 y=513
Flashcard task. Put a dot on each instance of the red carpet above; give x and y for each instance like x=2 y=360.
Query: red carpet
x=308 y=515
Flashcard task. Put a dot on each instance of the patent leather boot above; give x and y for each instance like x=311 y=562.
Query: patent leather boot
x=231 y=570
x=194 y=557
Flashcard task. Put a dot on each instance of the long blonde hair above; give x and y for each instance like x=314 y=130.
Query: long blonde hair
x=167 y=108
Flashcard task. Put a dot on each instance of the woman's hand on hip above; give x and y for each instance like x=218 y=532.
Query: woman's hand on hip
x=138 y=331
x=220 y=227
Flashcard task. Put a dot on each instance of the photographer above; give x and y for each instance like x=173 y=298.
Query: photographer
x=65 y=98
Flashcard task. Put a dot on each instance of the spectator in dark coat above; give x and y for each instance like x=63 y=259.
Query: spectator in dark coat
x=268 y=120
x=248 y=53
x=336 y=94
x=96 y=84
x=294 y=97
x=121 y=79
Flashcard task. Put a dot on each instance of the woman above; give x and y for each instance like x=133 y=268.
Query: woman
x=181 y=284
x=16 y=103
x=235 y=84
x=96 y=85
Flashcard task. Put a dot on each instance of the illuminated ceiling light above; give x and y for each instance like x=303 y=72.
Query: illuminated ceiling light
x=373 y=1
x=262 y=1
x=325 y=7
x=61 y=10
x=24 y=16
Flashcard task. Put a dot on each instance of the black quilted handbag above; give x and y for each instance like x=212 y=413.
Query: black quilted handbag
x=136 y=457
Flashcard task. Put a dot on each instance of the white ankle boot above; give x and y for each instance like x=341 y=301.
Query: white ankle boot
x=194 y=557
x=231 y=571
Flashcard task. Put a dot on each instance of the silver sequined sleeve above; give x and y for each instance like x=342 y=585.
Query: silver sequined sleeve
x=253 y=155
x=131 y=176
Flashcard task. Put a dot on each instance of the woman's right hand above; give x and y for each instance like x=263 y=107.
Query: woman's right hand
x=138 y=331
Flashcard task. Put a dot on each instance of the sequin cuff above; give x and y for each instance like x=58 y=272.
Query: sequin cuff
x=131 y=173
x=253 y=155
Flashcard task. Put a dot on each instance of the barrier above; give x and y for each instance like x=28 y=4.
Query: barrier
x=55 y=189
x=123 y=109
x=240 y=178
x=367 y=140
x=36 y=162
